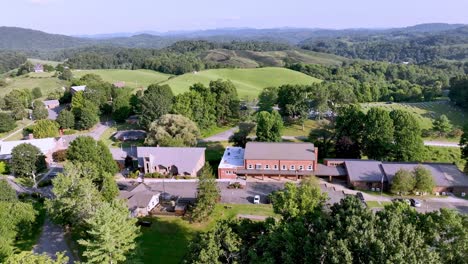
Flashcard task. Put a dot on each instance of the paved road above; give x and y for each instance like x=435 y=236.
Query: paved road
x=52 y=240
x=223 y=136
x=441 y=144
x=95 y=133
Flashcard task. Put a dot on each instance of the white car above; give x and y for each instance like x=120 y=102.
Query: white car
x=256 y=199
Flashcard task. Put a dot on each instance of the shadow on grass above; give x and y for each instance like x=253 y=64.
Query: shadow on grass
x=166 y=240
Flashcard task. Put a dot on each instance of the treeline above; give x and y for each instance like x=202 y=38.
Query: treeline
x=396 y=47
x=346 y=232
x=10 y=60
x=381 y=81
x=179 y=58
x=459 y=91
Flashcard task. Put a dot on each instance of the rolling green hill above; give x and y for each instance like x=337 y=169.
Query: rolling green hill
x=132 y=78
x=253 y=59
x=249 y=82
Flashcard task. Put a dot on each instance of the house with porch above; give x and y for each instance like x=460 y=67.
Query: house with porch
x=140 y=200
x=164 y=160
x=269 y=159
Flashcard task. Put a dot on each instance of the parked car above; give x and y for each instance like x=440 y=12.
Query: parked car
x=256 y=199
x=415 y=203
x=360 y=196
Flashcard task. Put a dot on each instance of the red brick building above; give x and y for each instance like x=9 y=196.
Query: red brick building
x=260 y=159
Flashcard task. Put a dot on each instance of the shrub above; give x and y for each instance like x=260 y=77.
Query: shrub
x=37 y=93
x=235 y=185
x=45 y=183
x=455 y=133
x=133 y=174
x=155 y=175
x=60 y=155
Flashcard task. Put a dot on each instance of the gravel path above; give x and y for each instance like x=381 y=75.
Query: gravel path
x=52 y=240
x=223 y=136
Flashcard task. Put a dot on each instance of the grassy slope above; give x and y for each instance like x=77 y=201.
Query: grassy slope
x=32 y=80
x=53 y=63
x=166 y=241
x=132 y=78
x=249 y=82
x=253 y=59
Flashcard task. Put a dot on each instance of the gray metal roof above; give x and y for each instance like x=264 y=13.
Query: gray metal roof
x=137 y=199
x=185 y=159
x=444 y=174
x=279 y=151
x=45 y=145
x=323 y=170
x=365 y=170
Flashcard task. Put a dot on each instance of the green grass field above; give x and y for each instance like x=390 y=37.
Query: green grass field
x=249 y=82
x=32 y=80
x=166 y=241
x=425 y=112
x=53 y=63
x=444 y=154
x=296 y=130
x=132 y=78
x=254 y=59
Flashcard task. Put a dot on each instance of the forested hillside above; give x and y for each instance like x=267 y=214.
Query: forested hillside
x=10 y=60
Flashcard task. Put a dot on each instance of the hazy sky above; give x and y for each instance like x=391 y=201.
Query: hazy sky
x=106 y=16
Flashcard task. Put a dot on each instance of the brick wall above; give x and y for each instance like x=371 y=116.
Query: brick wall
x=280 y=164
x=225 y=173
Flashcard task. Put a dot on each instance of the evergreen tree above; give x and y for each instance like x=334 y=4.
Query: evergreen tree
x=207 y=195
x=109 y=189
x=111 y=235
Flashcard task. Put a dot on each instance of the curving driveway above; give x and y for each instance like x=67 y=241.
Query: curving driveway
x=52 y=240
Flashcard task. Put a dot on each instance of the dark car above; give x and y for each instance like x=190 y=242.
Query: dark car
x=144 y=223
x=360 y=196
x=415 y=203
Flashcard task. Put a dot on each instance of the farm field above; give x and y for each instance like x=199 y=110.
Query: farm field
x=249 y=82
x=132 y=78
x=53 y=63
x=166 y=241
x=32 y=80
x=254 y=59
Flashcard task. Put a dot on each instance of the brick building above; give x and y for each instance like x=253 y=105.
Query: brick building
x=260 y=159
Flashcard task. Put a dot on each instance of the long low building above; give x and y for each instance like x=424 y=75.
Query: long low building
x=371 y=174
x=260 y=159
x=164 y=160
x=46 y=145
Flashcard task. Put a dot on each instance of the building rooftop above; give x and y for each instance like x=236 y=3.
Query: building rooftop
x=279 y=151
x=78 y=88
x=233 y=157
x=45 y=145
x=444 y=174
x=365 y=170
x=323 y=170
x=51 y=102
x=185 y=159
x=138 y=197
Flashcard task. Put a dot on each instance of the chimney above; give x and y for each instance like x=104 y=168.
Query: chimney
x=316 y=158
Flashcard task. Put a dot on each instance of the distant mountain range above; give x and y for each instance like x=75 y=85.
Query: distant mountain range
x=13 y=38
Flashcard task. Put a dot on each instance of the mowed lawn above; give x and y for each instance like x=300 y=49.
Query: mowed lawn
x=426 y=112
x=45 y=81
x=132 y=78
x=249 y=82
x=167 y=240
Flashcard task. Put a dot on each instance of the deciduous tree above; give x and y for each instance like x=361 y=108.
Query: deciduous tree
x=26 y=161
x=172 y=130
x=6 y=123
x=66 y=119
x=424 y=180
x=45 y=128
x=403 y=182
x=39 y=111
x=86 y=149
x=267 y=99
x=241 y=136
x=441 y=125
x=156 y=101
x=269 y=126
x=378 y=134
x=407 y=144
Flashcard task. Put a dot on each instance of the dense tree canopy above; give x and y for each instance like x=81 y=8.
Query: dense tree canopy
x=7 y=123
x=45 y=128
x=378 y=131
x=172 y=130
x=408 y=144
x=207 y=195
x=269 y=126
x=39 y=111
x=27 y=160
x=156 y=101
x=66 y=119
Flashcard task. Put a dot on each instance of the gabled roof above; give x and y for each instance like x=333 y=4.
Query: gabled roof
x=138 y=198
x=51 y=102
x=78 y=88
x=365 y=170
x=444 y=174
x=279 y=151
x=45 y=145
x=185 y=159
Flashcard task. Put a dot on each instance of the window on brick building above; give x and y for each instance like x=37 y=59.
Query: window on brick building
x=283 y=167
x=267 y=167
x=309 y=167
x=275 y=167
x=250 y=166
x=258 y=166
x=301 y=167
x=293 y=167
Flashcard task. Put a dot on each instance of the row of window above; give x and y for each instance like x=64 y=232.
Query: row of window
x=275 y=167
x=229 y=172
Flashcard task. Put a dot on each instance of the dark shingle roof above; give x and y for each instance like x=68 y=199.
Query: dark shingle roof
x=279 y=151
x=323 y=170
x=365 y=170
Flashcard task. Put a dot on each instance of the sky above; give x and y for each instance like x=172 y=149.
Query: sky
x=78 y=17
